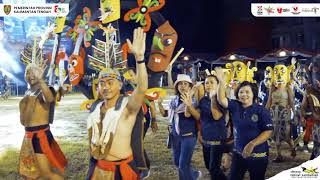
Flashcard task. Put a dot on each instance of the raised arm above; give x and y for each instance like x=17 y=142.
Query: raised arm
x=137 y=47
x=47 y=94
x=222 y=99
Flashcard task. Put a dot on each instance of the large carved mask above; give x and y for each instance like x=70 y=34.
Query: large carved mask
x=75 y=69
x=238 y=72
x=281 y=75
x=163 y=44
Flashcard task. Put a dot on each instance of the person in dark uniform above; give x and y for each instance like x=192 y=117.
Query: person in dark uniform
x=252 y=126
x=213 y=129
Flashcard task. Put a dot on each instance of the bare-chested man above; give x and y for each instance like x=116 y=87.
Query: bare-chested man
x=110 y=124
x=39 y=152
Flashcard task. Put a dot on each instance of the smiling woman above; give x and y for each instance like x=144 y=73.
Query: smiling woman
x=252 y=127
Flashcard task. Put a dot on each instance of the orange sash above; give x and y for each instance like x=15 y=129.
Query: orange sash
x=53 y=152
x=127 y=173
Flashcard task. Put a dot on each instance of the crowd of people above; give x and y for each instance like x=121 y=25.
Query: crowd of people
x=4 y=86
x=233 y=124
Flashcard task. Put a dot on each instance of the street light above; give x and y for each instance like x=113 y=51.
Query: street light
x=282 y=53
x=232 y=57
x=186 y=58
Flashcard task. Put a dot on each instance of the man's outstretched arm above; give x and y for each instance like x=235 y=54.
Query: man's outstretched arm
x=137 y=47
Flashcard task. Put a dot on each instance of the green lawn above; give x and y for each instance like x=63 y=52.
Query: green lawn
x=162 y=167
x=76 y=153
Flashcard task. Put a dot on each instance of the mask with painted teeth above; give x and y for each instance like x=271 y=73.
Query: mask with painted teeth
x=280 y=74
x=163 y=44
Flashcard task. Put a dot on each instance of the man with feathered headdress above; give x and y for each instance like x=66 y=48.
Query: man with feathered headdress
x=113 y=121
x=39 y=151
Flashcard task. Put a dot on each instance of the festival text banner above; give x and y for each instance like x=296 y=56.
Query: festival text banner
x=285 y=9
x=23 y=10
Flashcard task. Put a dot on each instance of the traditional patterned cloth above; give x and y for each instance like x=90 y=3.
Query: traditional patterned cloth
x=281 y=116
x=281 y=123
x=110 y=170
x=28 y=165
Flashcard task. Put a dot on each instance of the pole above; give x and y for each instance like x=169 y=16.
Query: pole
x=17 y=89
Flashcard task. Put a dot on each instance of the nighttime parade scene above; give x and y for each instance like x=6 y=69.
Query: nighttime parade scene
x=159 y=90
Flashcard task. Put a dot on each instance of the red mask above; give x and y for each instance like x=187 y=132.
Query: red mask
x=76 y=69
x=163 y=44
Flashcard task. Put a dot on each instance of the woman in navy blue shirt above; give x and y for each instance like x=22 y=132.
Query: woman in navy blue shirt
x=213 y=128
x=252 y=126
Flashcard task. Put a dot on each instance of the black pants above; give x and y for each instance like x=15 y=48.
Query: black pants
x=212 y=157
x=257 y=167
x=206 y=156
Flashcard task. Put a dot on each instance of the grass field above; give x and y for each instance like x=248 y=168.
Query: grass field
x=162 y=167
x=161 y=159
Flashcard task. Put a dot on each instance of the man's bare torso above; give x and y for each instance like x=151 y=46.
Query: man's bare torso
x=121 y=143
x=34 y=111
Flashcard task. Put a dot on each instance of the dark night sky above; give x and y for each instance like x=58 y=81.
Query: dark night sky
x=200 y=24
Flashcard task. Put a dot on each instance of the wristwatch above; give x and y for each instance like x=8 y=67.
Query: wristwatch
x=140 y=62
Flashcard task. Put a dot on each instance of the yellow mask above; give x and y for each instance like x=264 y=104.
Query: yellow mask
x=240 y=72
x=281 y=74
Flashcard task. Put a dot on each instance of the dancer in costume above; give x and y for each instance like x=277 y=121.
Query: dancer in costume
x=182 y=117
x=252 y=127
x=111 y=124
x=311 y=100
x=39 y=151
x=281 y=103
x=299 y=84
